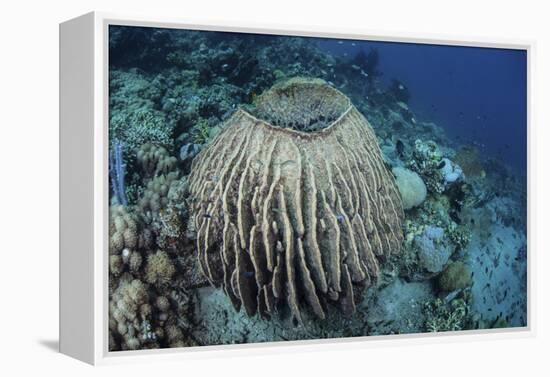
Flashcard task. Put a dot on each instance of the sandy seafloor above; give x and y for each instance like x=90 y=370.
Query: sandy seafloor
x=175 y=89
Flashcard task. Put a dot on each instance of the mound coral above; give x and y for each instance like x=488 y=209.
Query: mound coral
x=294 y=204
x=455 y=276
x=433 y=250
x=411 y=187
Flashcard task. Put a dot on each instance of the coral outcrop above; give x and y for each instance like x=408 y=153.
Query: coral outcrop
x=433 y=251
x=293 y=204
x=411 y=187
x=155 y=160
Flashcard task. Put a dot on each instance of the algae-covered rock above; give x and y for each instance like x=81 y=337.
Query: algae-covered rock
x=455 y=276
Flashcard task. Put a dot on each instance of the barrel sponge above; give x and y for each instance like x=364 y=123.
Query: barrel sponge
x=411 y=186
x=293 y=204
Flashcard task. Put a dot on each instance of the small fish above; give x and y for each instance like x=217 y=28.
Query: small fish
x=441 y=165
x=340 y=42
x=206 y=215
x=287 y=162
x=248 y=274
x=340 y=218
x=400 y=148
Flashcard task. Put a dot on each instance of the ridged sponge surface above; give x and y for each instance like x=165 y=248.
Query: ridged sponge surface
x=289 y=216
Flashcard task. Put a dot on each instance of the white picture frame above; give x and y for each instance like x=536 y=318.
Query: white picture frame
x=84 y=191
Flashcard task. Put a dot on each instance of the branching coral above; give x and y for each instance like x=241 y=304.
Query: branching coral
x=201 y=132
x=442 y=316
x=125 y=231
x=301 y=209
x=427 y=161
x=137 y=128
x=155 y=196
x=159 y=269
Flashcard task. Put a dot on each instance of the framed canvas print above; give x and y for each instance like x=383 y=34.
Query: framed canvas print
x=226 y=187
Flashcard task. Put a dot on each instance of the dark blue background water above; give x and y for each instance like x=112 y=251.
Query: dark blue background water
x=478 y=95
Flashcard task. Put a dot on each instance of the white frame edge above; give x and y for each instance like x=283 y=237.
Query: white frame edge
x=84 y=277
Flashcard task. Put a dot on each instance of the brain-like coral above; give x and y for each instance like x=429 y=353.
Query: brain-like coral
x=293 y=205
x=411 y=187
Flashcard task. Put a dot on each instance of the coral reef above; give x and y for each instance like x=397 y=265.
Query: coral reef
x=186 y=93
x=159 y=269
x=284 y=214
x=140 y=127
x=427 y=162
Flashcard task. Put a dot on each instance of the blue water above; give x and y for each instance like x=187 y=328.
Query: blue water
x=478 y=95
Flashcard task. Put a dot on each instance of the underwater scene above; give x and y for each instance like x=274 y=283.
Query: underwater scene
x=269 y=188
